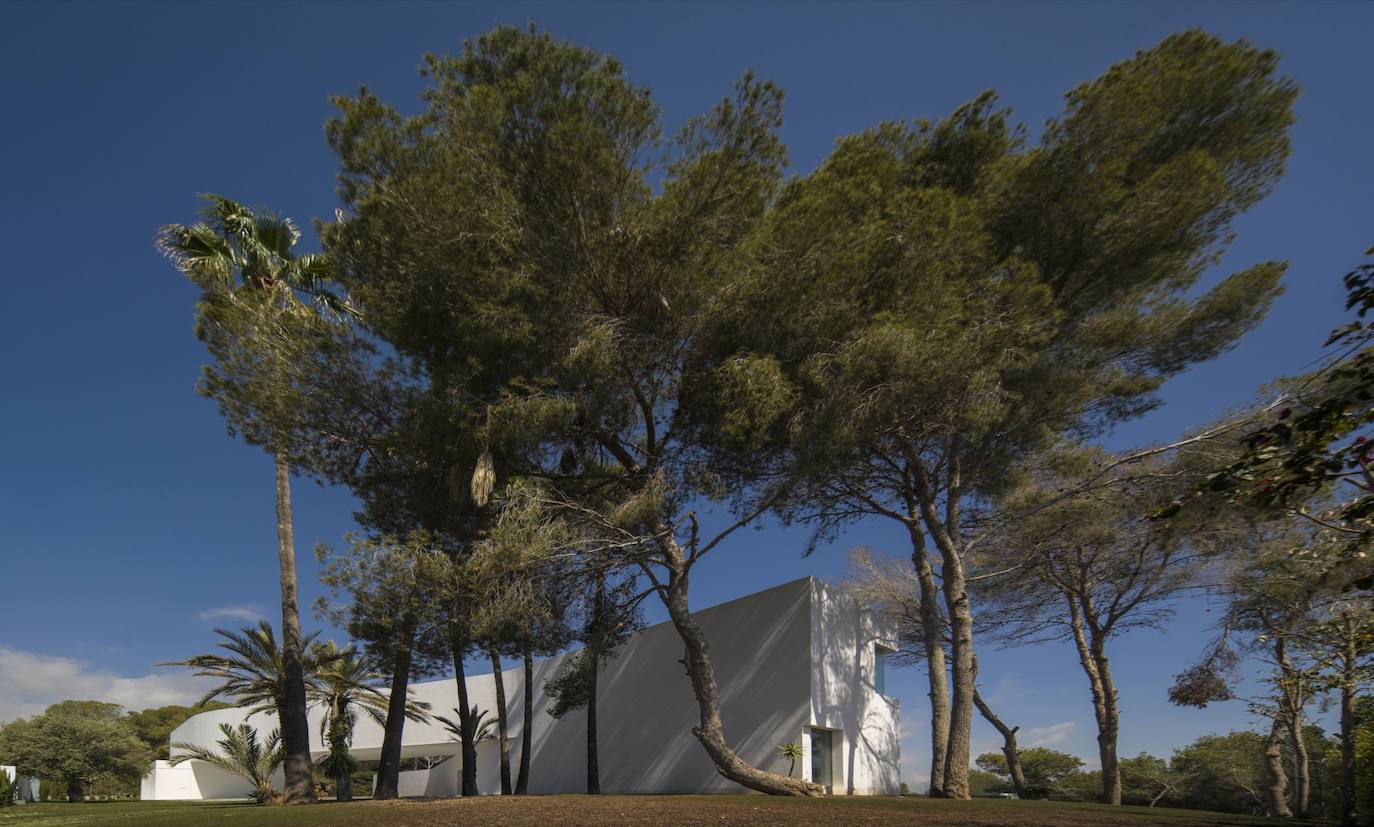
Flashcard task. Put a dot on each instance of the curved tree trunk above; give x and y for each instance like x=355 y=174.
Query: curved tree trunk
x=389 y=765
x=1276 y=786
x=502 y=722
x=465 y=723
x=932 y=639
x=1009 y=748
x=295 y=728
x=711 y=732
x=522 y=781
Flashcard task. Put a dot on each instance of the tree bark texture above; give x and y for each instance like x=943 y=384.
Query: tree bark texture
x=1349 y=664
x=389 y=764
x=522 y=781
x=502 y=721
x=932 y=639
x=1291 y=711
x=700 y=670
x=465 y=723
x=1276 y=780
x=1092 y=656
x=593 y=763
x=946 y=533
x=295 y=728
x=594 y=650
x=1009 y=748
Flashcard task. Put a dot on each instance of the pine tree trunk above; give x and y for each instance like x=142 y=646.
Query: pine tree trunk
x=465 y=723
x=1107 y=735
x=594 y=652
x=522 y=781
x=1276 y=788
x=295 y=728
x=700 y=670
x=946 y=533
x=962 y=672
x=502 y=721
x=1009 y=748
x=932 y=638
x=1349 y=665
x=389 y=764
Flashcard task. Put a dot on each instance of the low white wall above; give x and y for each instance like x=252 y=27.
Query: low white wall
x=195 y=780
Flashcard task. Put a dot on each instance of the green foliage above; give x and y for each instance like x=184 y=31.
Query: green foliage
x=792 y=752
x=346 y=687
x=241 y=754
x=1042 y=767
x=1319 y=441
x=481 y=728
x=263 y=311
x=1222 y=772
x=78 y=743
x=253 y=672
x=154 y=726
x=9 y=789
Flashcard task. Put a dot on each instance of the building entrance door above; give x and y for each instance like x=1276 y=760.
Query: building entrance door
x=821 y=772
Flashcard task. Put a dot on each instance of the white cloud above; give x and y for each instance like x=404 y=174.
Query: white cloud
x=30 y=681
x=1048 y=736
x=243 y=611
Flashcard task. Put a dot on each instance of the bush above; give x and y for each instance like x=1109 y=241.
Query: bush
x=8 y=789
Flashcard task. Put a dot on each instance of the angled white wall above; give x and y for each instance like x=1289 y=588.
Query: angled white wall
x=790 y=657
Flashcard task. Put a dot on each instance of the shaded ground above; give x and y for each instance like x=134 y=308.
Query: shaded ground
x=577 y=811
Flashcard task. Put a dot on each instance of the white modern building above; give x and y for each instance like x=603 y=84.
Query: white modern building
x=800 y=662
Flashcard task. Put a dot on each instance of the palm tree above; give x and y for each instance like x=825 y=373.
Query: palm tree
x=254 y=672
x=347 y=687
x=255 y=293
x=241 y=754
x=792 y=751
x=483 y=727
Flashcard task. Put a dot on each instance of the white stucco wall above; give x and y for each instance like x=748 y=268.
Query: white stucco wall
x=866 y=740
x=785 y=658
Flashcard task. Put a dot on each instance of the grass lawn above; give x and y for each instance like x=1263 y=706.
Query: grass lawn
x=537 y=811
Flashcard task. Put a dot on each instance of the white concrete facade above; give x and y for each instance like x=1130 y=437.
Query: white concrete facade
x=793 y=663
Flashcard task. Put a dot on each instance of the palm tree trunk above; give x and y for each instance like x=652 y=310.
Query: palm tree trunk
x=343 y=787
x=522 y=781
x=501 y=718
x=295 y=728
x=465 y=723
x=389 y=765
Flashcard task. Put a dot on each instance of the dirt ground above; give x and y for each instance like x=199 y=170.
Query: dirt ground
x=576 y=811
x=586 y=811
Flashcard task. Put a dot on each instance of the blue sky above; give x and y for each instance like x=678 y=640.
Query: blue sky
x=134 y=523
